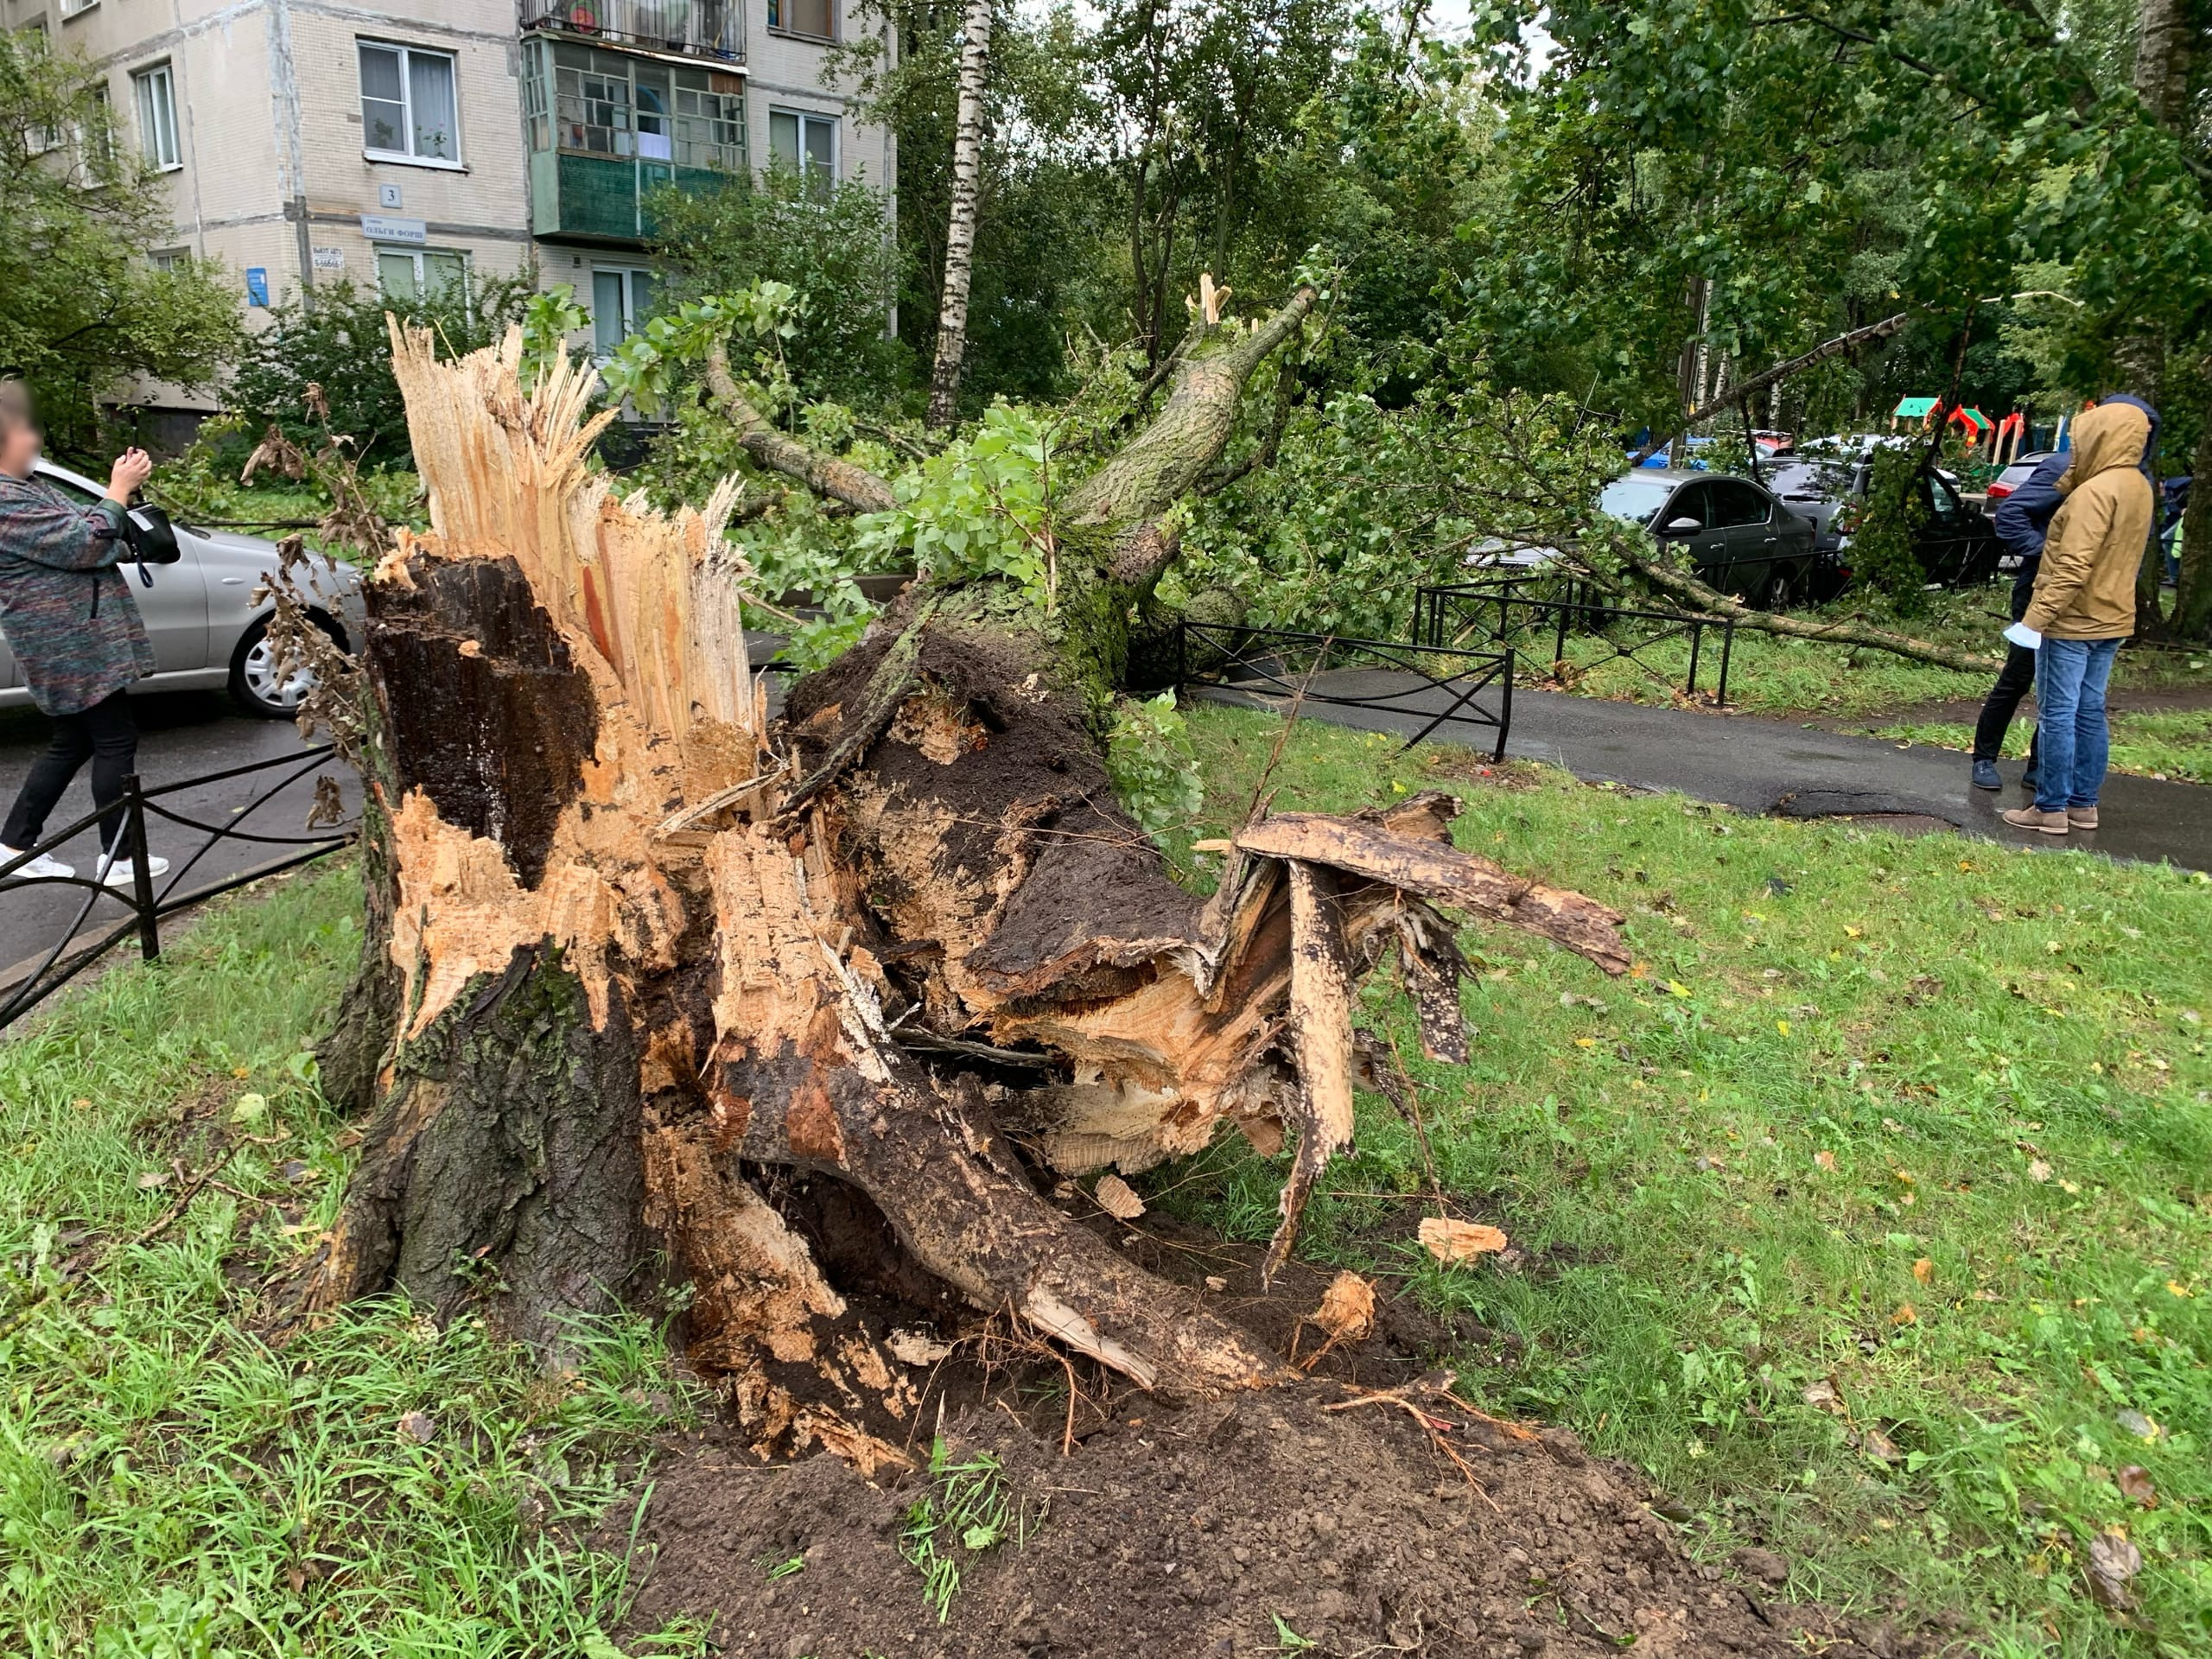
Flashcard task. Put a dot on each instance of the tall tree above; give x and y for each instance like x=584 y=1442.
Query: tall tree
x=84 y=309
x=960 y=232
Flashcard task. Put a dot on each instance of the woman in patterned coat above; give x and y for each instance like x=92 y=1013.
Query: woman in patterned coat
x=78 y=638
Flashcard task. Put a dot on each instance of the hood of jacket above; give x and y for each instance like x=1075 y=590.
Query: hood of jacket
x=2128 y=400
x=2115 y=433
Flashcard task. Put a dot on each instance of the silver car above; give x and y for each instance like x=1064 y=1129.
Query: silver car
x=207 y=628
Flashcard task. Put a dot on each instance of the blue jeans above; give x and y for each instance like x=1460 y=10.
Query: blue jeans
x=2070 y=679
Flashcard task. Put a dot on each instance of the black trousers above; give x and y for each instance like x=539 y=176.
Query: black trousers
x=104 y=734
x=2013 y=681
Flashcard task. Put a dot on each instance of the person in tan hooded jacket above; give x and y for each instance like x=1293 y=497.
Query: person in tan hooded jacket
x=2083 y=607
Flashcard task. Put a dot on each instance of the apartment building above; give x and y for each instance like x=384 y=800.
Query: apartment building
x=415 y=145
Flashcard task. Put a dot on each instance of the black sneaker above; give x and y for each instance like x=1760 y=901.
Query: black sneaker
x=1985 y=775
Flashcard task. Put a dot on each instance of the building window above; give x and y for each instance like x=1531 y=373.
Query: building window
x=423 y=274
x=76 y=8
x=408 y=110
x=169 y=258
x=805 y=142
x=610 y=104
x=620 y=297
x=156 y=94
x=817 y=19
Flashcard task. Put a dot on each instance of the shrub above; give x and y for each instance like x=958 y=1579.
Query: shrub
x=831 y=248
x=338 y=343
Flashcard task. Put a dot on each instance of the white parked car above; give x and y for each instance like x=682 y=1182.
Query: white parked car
x=207 y=628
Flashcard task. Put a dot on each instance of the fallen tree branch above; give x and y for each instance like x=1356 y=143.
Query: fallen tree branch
x=840 y=480
x=1746 y=389
x=1849 y=632
x=1441 y=872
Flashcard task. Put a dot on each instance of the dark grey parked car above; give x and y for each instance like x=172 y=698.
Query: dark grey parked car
x=1956 y=545
x=1739 y=536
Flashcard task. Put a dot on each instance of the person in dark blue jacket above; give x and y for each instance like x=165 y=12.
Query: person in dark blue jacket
x=2021 y=519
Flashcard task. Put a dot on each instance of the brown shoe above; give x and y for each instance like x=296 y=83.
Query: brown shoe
x=2029 y=817
x=2081 y=818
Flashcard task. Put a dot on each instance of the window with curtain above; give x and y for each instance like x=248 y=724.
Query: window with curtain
x=408 y=106
x=156 y=90
x=816 y=18
x=805 y=142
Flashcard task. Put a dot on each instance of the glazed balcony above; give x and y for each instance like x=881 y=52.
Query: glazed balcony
x=713 y=29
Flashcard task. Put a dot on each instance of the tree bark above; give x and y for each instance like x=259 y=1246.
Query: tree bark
x=960 y=237
x=651 y=950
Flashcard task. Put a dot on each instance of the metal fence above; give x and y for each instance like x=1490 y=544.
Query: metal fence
x=1410 y=680
x=1505 y=609
x=75 y=951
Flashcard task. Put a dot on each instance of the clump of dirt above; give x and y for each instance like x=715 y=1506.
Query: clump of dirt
x=1466 y=766
x=1366 y=1509
x=1306 y=1516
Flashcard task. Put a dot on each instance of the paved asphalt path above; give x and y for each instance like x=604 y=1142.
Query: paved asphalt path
x=1767 y=766
x=182 y=734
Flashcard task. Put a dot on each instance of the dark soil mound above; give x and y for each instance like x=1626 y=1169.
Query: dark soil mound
x=1190 y=1533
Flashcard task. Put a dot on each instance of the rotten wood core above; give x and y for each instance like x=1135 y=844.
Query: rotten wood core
x=648 y=950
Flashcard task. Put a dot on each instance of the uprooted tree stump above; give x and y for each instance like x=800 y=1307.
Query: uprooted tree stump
x=635 y=948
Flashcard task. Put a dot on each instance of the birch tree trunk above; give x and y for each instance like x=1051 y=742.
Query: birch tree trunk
x=960 y=236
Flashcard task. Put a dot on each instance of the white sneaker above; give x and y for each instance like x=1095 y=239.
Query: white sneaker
x=123 y=873
x=42 y=865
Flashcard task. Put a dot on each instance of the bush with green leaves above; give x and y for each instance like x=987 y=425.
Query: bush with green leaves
x=776 y=230
x=339 y=344
x=1154 y=769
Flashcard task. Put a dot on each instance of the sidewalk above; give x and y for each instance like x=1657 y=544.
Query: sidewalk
x=1768 y=766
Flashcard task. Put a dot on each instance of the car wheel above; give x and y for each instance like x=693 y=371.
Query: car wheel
x=1775 y=593
x=256 y=685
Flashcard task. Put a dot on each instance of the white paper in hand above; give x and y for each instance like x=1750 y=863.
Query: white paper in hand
x=2025 y=637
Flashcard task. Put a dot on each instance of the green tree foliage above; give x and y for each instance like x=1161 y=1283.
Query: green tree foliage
x=339 y=343
x=80 y=308
x=829 y=249
x=1819 y=167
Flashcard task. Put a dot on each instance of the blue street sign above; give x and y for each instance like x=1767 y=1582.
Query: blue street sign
x=257 y=285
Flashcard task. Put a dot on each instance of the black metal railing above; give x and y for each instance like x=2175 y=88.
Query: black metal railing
x=1505 y=610
x=74 y=950
x=1408 y=680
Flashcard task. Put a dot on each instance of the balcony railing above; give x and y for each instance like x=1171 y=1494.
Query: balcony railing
x=695 y=28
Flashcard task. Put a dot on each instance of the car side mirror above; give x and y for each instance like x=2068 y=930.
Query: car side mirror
x=1684 y=525
x=151 y=537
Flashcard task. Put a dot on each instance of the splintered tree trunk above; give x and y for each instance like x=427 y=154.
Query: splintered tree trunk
x=644 y=950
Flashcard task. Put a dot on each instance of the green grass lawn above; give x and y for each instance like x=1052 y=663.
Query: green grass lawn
x=172 y=1485
x=1917 y=1129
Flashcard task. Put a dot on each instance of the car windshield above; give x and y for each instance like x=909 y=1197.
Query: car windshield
x=1634 y=498
x=1811 y=480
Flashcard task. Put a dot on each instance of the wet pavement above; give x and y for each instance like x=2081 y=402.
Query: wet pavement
x=1763 y=766
x=181 y=735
